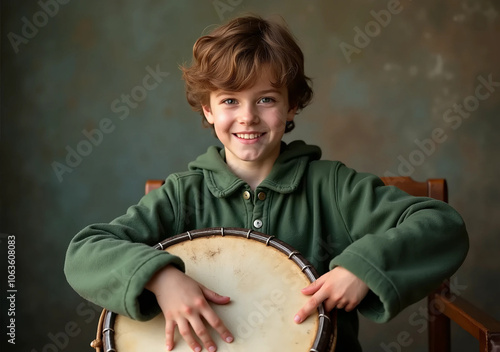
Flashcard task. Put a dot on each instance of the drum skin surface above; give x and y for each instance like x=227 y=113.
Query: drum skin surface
x=264 y=284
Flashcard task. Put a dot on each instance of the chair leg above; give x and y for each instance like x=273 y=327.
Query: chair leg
x=439 y=324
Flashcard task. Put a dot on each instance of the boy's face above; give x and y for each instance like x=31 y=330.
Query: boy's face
x=250 y=123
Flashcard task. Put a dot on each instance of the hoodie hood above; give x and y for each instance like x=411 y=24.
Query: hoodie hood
x=284 y=177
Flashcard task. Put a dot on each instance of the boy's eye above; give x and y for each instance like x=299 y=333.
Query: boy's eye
x=267 y=100
x=229 y=101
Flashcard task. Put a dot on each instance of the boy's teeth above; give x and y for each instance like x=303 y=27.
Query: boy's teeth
x=248 y=135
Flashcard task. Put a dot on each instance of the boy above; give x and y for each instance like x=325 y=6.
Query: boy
x=385 y=249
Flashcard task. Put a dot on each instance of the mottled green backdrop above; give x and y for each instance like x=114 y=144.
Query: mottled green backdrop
x=93 y=105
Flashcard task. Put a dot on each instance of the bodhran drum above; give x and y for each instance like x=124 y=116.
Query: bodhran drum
x=262 y=275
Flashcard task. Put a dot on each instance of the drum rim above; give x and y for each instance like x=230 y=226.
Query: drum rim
x=326 y=328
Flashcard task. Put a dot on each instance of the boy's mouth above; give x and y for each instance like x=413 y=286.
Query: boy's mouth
x=249 y=135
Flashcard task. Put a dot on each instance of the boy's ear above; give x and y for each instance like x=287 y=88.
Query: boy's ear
x=291 y=113
x=208 y=114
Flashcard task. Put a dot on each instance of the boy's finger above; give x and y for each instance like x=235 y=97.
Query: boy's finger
x=216 y=322
x=187 y=335
x=202 y=332
x=312 y=287
x=311 y=304
x=169 y=334
x=214 y=296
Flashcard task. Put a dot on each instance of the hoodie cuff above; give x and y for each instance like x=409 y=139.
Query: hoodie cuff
x=382 y=301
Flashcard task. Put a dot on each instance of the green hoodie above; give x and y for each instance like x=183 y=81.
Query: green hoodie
x=402 y=247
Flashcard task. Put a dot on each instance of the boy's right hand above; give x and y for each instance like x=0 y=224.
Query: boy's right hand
x=184 y=303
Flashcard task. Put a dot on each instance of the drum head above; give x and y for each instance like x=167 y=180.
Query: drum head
x=264 y=285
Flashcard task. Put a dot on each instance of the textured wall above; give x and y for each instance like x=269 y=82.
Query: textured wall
x=93 y=105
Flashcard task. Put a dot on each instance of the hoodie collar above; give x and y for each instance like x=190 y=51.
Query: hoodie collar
x=284 y=177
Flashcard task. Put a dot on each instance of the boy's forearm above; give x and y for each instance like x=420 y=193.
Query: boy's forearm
x=154 y=284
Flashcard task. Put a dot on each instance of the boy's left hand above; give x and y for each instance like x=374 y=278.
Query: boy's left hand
x=338 y=288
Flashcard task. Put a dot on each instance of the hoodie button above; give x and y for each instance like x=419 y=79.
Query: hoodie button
x=257 y=223
x=246 y=195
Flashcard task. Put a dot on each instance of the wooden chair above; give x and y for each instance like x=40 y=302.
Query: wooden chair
x=452 y=307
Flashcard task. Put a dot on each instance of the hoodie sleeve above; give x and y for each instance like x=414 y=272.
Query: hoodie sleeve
x=402 y=246
x=109 y=264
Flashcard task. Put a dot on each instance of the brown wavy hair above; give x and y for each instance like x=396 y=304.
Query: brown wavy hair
x=231 y=57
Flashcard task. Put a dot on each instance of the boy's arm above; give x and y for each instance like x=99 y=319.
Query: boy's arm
x=110 y=264
x=402 y=246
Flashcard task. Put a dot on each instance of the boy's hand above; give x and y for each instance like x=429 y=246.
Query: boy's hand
x=184 y=303
x=337 y=288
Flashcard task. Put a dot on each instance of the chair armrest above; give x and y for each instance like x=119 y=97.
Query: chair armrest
x=472 y=319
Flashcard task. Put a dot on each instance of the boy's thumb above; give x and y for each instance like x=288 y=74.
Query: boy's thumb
x=214 y=297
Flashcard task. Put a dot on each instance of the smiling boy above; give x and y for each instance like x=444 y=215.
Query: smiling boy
x=385 y=249
x=250 y=124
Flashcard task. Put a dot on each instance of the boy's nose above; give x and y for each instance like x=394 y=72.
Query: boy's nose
x=248 y=115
